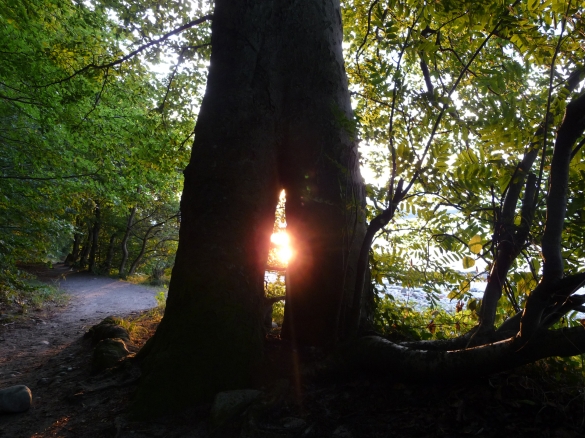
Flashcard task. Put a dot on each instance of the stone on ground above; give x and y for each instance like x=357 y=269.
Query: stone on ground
x=107 y=353
x=108 y=328
x=15 y=399
x=228 y=404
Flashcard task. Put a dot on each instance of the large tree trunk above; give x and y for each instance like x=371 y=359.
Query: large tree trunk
x=273 y=117
x=211 y=335
x=319 y=169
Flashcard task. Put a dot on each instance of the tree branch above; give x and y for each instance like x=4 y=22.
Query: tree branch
x=373 y=353
x=32 y=178
x=130 y=55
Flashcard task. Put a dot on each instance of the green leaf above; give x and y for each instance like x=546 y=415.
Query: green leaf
x=468 y=262
x=475 y=245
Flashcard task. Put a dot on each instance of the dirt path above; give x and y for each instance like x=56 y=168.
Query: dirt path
x=45 y=352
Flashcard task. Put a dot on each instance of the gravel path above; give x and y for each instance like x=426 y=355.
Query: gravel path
x=44 y=350
x=92 y=298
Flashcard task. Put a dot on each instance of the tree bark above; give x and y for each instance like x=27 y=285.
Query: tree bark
x=138 y=258
x=547 y=291
x=210 y=338
x=512 y=238
x=275 y=115
x=85 y=249
x=95 y=231
x=73 y=256
x=397 y=362
x=110 y=257
x=124 y=244
x=319 y=168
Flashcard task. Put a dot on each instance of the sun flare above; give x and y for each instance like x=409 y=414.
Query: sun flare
x=283 y=250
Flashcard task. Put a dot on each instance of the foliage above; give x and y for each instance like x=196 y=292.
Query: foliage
x=21 y=293
x=276 y=288
x=449 y=95
x=401 y=320
x=82 y=132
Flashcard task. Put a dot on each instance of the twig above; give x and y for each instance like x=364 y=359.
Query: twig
x=130 y=55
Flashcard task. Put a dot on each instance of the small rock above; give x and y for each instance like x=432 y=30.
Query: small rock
x=43 y=381
x=44 y=342
x=228 y=404
x=15 y=399
x=108 y=353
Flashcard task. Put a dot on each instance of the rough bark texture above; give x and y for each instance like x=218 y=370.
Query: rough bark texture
x=319 y=168
x=275 y=115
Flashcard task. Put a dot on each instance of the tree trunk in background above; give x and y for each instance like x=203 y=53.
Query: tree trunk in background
x=124 y=244
x=138 y=258
x=111 y=250
x=85 y=249
x=95 y=232
x=73 y=256
x=273 y=117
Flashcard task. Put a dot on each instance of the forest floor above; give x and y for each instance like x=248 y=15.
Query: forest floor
x=46 y=351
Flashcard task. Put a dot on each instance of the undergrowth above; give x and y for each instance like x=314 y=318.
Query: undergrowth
x=399 y=321
x=396 y=318
x=21 y=293
x=142 y=326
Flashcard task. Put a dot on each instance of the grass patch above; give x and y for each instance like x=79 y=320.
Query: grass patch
x=27 y=294
x=142 y=326
x=141 y=279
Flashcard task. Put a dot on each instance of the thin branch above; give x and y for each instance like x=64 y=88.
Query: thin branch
x=392 y=111
x=175 y=68
x=97 y=100
x=418 y=165
x=32 y=178
x=19 y=100
x=359 y=50
x=130 y=55
x=548 y=103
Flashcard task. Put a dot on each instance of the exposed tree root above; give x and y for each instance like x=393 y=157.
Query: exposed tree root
x=376 y=354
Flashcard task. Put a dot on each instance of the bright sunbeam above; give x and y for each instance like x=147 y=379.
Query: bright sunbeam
x=283 y=250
